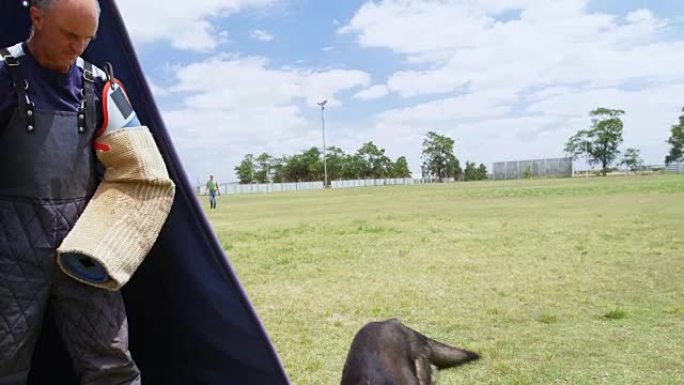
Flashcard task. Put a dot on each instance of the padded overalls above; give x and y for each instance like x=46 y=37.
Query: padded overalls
x=47 y=176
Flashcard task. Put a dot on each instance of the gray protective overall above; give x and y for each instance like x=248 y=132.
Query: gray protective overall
x=47 y=175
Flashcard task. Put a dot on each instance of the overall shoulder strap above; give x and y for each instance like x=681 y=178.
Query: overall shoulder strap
x=20 y=87
x=86 y=114
x=12 y=63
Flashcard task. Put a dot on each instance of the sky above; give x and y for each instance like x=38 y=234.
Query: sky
x=506 y=79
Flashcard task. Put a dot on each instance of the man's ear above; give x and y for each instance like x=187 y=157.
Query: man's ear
x=37 y=17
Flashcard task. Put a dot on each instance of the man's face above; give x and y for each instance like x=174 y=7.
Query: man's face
x=63 y=31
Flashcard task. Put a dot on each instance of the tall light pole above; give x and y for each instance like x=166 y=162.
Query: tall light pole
x=325 y=166
x=586 y=148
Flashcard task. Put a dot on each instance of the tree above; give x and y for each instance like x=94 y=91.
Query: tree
x=296 y=168
x=599 y=143
x=353 y=167
x=482 y=172
x=400 y=168
x=438 y=157
x=304 y=167
x=245 y=171
x=376 y=163
x=676 y=141
x=454 y=169
x=314 y=161
x=262 y=172
x=335 y=162
x=472 y=172
x=278 y=169
x=631 y=159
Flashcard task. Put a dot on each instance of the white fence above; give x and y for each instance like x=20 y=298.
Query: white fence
x=370 y=182
x=236 y=188
x=675 y=168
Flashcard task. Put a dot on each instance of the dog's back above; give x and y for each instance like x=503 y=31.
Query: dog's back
x=390 y=353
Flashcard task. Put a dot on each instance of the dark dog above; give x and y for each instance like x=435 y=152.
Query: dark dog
x=390 y=353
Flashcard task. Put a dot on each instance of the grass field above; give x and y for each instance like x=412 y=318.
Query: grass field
x=560 y=281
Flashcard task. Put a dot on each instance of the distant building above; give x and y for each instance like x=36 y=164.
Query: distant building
x=518 y=169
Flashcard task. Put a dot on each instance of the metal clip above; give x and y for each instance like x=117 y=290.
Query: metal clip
x=109 y=70
x=25 y=86
x=11 y=61
x=88 y=76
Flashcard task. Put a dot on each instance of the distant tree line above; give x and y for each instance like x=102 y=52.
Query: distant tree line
x=368 y=162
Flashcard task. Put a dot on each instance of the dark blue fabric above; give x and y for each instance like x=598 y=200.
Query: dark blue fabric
x=190 y=320
x=84 y=267
x=48 y=90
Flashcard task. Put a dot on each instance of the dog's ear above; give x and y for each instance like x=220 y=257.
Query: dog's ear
x=425 y=371
x=445 y=356
x=442 y=355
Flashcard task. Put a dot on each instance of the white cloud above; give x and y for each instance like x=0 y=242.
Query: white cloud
x=261 y=35
x=464 y=108
x=374 y=92
x=553 y=42
x=237 y=105
x=516 y=86
x=412 y=83
x=157 y=90
x=319 y=85
x=185 y=24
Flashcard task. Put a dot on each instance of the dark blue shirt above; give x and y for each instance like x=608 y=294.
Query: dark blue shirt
x=48 y=90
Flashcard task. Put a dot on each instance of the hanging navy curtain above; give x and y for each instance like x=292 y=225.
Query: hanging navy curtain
x=190 y=320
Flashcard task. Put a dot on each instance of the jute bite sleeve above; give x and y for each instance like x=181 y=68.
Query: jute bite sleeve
x=121 y=223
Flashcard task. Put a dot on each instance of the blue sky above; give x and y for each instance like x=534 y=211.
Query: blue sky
x=507 y=79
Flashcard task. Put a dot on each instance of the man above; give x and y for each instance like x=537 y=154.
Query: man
x=213 y=190
x=50 y=112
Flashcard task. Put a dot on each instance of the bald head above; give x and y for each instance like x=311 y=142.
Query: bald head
x=62 y=30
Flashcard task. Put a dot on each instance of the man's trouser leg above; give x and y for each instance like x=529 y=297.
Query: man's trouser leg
x=25 y=279
x=212 y=200
x=92 y=323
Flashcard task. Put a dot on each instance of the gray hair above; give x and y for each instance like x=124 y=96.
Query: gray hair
x=47 y=4
x=42 y=4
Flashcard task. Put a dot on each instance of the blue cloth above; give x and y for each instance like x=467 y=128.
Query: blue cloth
x=85 y=267
x=48 y=90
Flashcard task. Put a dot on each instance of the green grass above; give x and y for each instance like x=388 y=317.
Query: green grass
x=615 y=314
x=559 y=281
